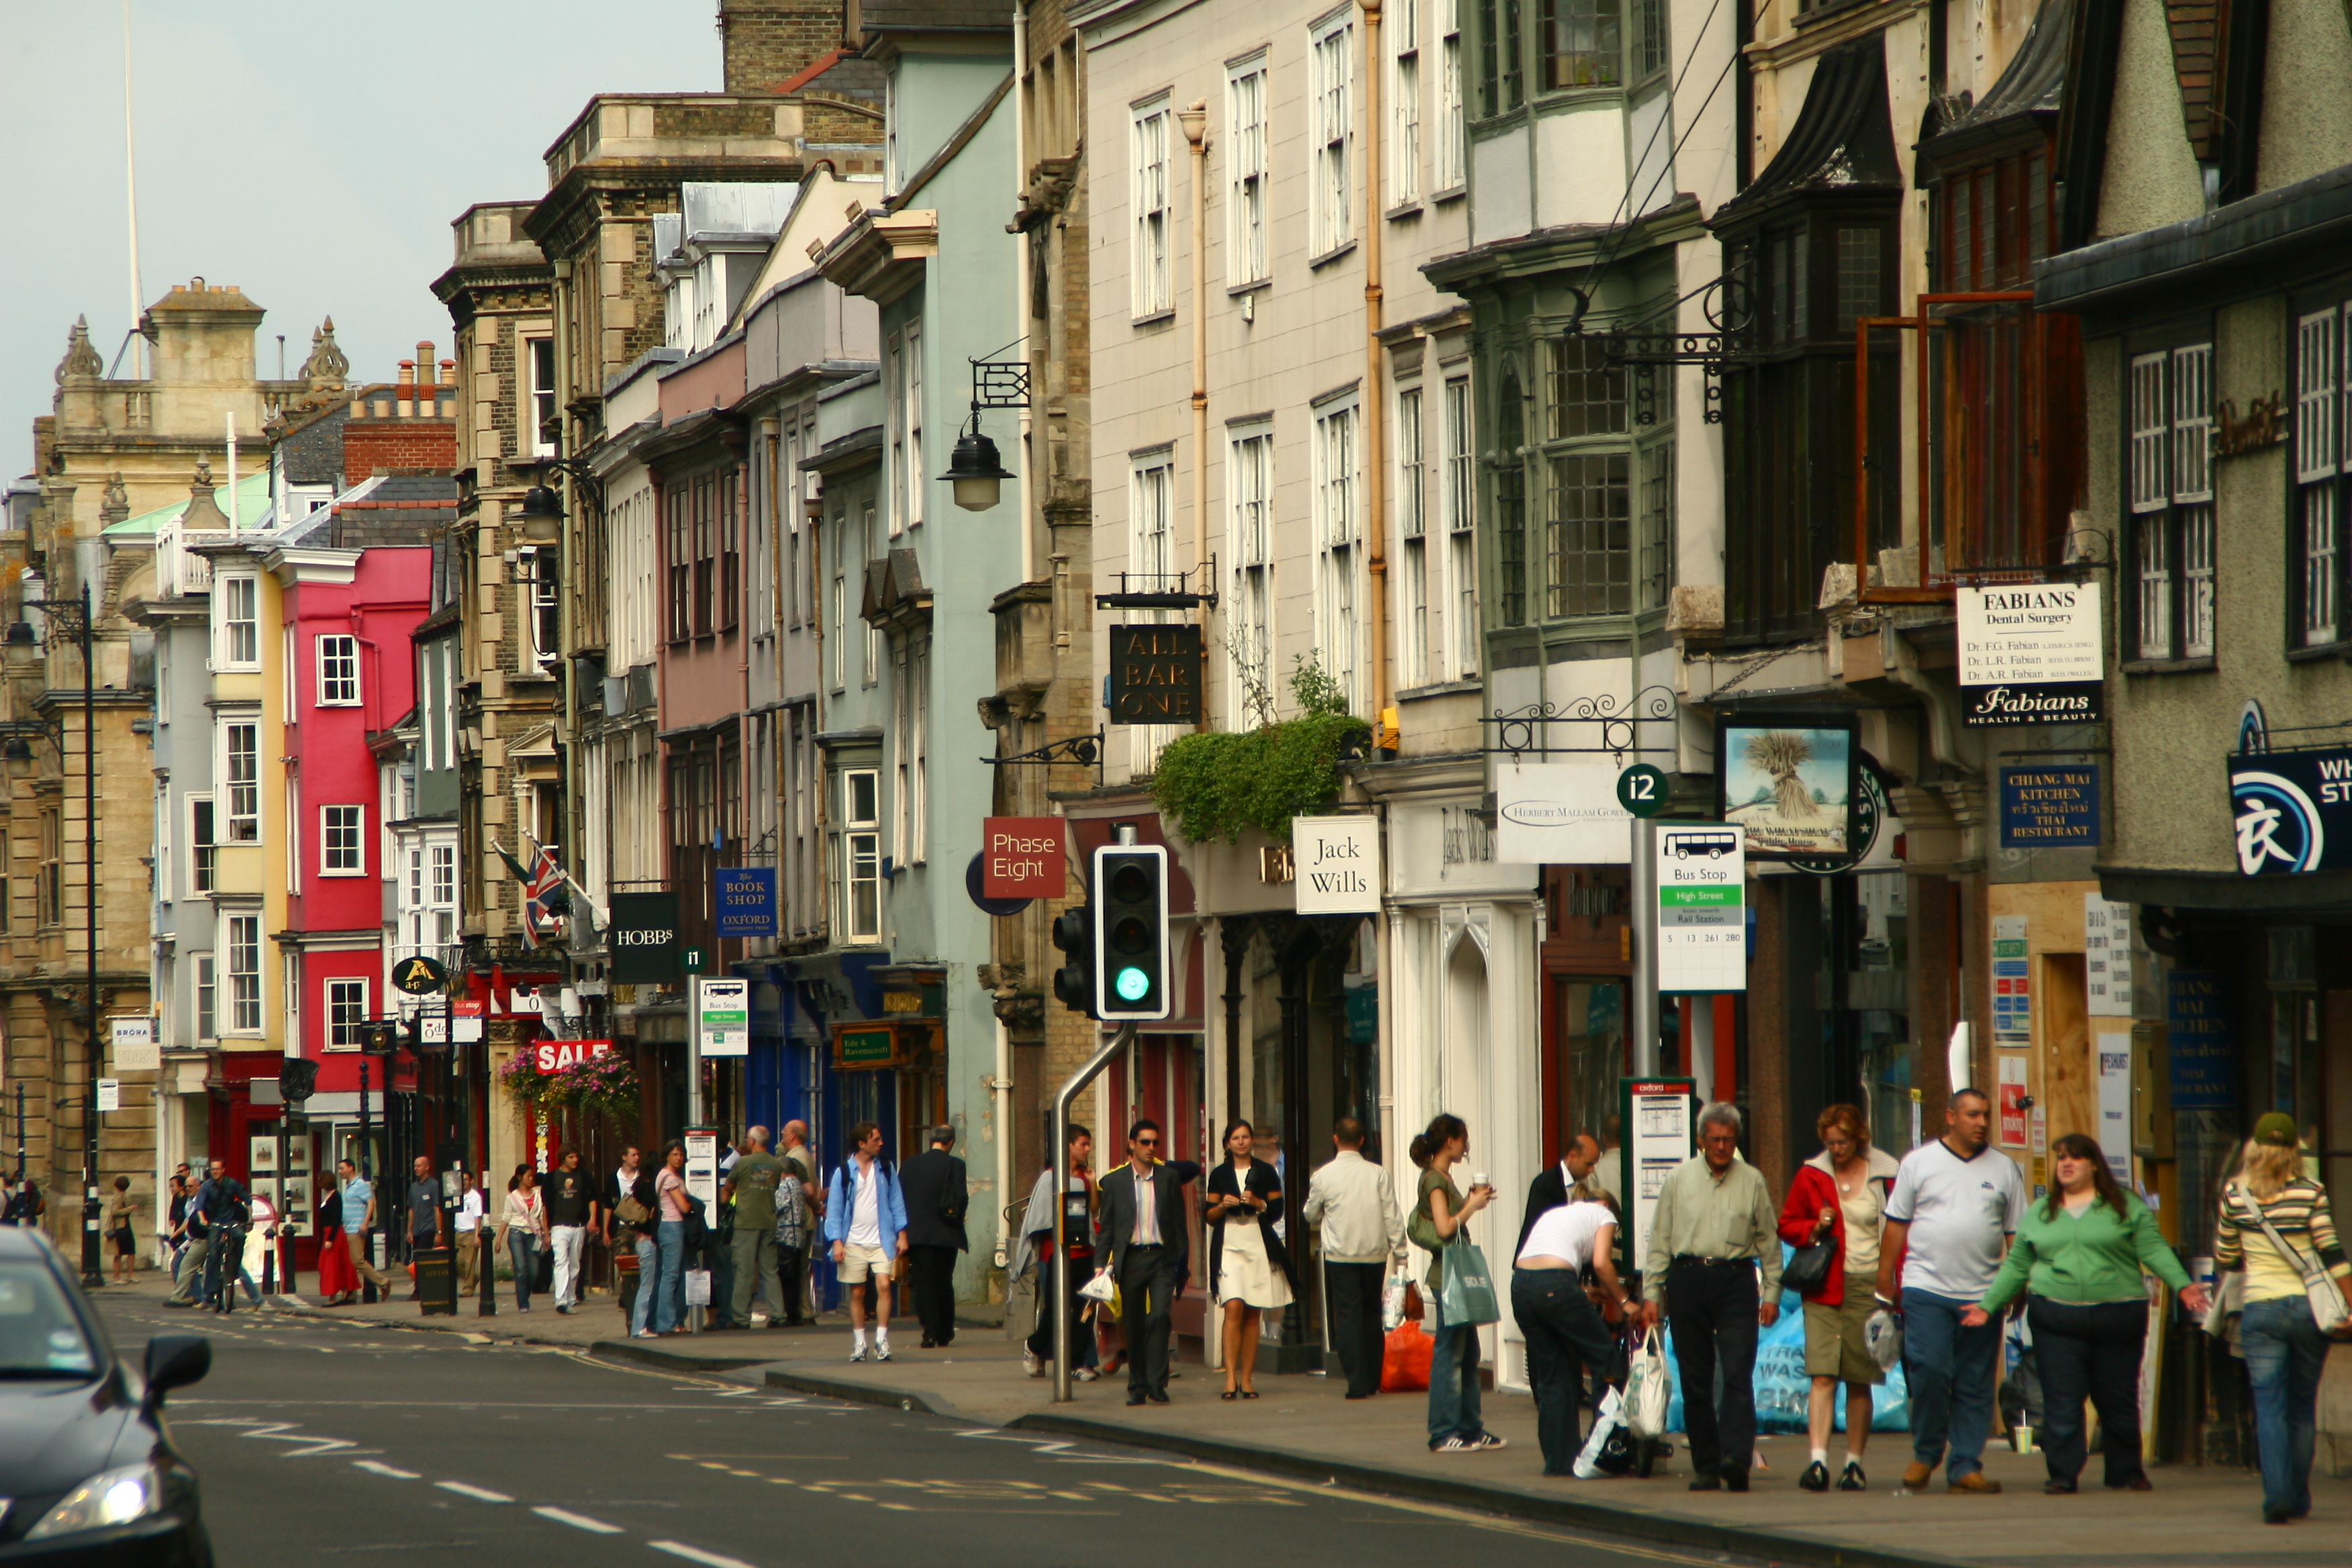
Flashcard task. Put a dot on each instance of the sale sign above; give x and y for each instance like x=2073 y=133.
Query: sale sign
x=1020 y=857
x=552 y=1055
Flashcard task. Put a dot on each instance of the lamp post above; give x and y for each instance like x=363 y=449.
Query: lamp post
x=975 y=470
x=69 y=620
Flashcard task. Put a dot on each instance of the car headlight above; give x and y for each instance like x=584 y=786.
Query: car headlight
x=108 y=1497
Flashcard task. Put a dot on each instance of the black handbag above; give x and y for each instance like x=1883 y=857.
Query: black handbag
x=542 y=1273
x=1808 y=1268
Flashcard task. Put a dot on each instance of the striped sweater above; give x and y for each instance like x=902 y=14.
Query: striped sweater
x=2299 y=1212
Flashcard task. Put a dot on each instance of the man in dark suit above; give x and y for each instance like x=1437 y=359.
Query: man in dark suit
x=1141 y=1228
x=932 y=1183
x=1549 y=1190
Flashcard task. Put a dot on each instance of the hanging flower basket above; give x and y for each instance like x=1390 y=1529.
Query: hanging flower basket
x=605 y=1086
x=522 y=1080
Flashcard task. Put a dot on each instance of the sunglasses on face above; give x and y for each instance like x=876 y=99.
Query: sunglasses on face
x=1146 y=1142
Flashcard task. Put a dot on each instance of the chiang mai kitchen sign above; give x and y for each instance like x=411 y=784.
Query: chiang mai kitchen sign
x=2030 y=654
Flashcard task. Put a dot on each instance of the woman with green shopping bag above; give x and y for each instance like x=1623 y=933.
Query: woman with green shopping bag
x=1457 y=1279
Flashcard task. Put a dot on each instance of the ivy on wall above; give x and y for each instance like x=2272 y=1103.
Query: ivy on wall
x=1212 y=785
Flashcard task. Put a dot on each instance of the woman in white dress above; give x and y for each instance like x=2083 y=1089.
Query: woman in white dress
x=1247 y=1265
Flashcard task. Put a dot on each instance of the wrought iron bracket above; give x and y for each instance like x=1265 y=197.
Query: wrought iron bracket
x=1081 y=750
x=1518 y=730
x=1162 y=590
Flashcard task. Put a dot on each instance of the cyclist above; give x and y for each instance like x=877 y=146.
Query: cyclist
x=220 y=1213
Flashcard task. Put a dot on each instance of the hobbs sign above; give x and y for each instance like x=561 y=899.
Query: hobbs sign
x=1337 y=865
x=2030 y=654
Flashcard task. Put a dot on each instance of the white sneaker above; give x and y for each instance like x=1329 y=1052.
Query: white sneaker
x=1031 y=1366
x=1086 y=1374
x=882 y=1353
x=858 y=1354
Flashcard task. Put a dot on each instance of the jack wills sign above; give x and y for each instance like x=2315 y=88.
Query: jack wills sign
x=1155 y=675
x=1337 y=862
x=2030 y=654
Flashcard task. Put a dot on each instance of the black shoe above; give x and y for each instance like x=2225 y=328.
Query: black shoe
x=945 y=1341
x=1706 y=1481
x=1816 y=1478
x=2057 y=1489
x=930 y=1343
x=1158 y=1395
x=1135 y=1399
x=1735 y=1476
x=1852 y=1479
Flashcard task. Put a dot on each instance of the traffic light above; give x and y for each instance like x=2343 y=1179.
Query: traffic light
x=1131 y=889
x=1074 y=983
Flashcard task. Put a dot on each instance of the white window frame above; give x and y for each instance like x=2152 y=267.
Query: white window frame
x=204 y=845
x=1246 y=171
x=1331 y=133
x=1404 y=107
x=1336 y=503
x=441 y=884
x=1249 y=522
x=1452 y=172
x=237 y=643
x=861 y=858
x=242 y=820
x=1458 y=487
x=204 y=994
x=916 y=478
x=244 y=945
x=538 y=395
x=342 y=840
x=1150 y=290
x=339 y=670
x=346 y=1011
x=1152 y=556
x=1414 y=610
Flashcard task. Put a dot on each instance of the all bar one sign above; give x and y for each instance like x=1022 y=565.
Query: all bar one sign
x=1155 y=675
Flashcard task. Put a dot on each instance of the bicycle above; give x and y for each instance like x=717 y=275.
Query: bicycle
x=223 y=1266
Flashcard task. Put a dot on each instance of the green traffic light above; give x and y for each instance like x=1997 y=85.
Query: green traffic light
x=1132 y=984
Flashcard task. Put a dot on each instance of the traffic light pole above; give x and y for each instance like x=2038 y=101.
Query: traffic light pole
x=1059 y=1154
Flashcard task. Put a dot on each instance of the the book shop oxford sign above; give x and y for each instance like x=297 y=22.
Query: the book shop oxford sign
x=2030 y=654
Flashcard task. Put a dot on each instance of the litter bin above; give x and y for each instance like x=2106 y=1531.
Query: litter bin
x=437 y=1280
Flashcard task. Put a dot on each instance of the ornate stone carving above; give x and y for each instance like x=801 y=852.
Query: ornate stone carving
x=117 y=505
x=80 y=359
x=327 y=365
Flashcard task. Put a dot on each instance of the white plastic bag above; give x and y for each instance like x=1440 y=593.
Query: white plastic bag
x=698 y=1287
x=1101 y=1288
x=1883 y=1336
x=1393 y=1300
x=1612 y=1414
x=1646 y=1390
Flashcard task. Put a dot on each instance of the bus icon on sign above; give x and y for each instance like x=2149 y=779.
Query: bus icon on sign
x=1712 y=846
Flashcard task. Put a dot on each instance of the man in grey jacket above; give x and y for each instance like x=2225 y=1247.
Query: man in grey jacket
x=1355 y=1203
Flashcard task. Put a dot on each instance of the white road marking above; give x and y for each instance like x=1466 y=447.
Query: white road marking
x=370 y=1466
x=695 y=1554
x=480 y=1493
x=578 y=1521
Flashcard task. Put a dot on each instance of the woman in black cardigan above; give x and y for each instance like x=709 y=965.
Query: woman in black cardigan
x=1249 y=1271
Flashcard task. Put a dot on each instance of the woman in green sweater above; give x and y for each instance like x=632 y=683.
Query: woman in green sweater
x=2077 y=1257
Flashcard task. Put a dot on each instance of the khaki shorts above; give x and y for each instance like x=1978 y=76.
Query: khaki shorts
x=857 y=1262
x=1833 y=1342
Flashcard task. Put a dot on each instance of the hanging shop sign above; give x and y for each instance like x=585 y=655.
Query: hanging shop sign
x=2013 y=983
x=1792 y=780
x=645 y=938
x=1702 y=878
x=744 y=898
x=134 y=1044
x=1022 y=858
x=2106 y=957
x=2050 y=808
x=2030 y=654
x=867 y=1046
x=2203 y=1056
x=1870 y=814
x=1560 y=814
x=419 y=975
x=722 y=1015
x=1338 y=865
x=1155 y=675
x=554 y=1055
x=465 y=1021
x=2292 y=811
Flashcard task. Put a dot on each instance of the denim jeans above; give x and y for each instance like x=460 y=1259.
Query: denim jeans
x=669 y=1289
x=648 y=1271
x=1565 y=1338
x=1950 y=1370
x=2284 y=1354
x=2089 y=1350
x=1453 y=1384
x=523 y=1253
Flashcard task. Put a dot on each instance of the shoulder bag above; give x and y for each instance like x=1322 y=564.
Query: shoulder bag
x=2328 y=1308
x=1808 y=1268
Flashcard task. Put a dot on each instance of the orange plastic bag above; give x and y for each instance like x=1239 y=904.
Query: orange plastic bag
x=1404 y=1359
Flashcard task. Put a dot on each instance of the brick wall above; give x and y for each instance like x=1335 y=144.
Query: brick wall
x=768 y=41
x=398 y=446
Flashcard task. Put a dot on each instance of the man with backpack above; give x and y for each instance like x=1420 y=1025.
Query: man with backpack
x=758 y=1181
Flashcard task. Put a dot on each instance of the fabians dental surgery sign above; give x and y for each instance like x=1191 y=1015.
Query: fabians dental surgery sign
x=2030 y=654
x=1338 y=864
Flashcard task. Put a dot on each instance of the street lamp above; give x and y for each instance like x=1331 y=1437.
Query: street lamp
x=542 y=515
x=69 y=619
x=974 y=468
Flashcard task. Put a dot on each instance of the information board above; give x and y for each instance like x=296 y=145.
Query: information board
x=1702 y=915
x=2013 y=984
x=702 y=1167
x=1656 y=1120
x=2030 y=654
x=722 y=1015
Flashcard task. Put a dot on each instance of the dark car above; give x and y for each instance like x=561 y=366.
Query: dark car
x=89 y=1477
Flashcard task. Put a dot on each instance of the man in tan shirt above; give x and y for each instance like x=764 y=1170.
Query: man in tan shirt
x=1713 y=1228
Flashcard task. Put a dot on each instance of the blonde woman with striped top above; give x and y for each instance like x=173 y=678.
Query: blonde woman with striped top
x=2286 y=1349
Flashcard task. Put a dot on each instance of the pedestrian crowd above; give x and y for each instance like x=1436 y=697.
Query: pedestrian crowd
x=1914 y=1262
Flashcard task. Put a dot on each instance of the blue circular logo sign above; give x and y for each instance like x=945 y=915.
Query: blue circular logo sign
x=2278 y=828
x=1131 y=984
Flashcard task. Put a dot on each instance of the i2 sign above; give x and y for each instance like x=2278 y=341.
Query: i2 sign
x=1641 y=790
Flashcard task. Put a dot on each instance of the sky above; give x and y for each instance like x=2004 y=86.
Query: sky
x=313 y=152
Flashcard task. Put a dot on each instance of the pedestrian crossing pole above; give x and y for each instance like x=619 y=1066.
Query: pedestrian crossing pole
x=1058 y=1154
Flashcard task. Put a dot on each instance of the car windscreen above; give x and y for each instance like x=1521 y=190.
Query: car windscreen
x=41 y=1336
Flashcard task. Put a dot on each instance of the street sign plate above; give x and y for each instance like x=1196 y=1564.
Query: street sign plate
x=1641 y=790
x=419 y=975
x=1702 y=913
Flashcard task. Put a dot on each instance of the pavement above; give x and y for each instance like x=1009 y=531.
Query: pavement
x=1303 y=1432
x=318 y=1439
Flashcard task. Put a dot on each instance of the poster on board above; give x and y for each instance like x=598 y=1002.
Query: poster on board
x=1788 y=778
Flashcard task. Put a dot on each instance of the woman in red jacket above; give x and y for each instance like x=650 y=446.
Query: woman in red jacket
x=1839 y=1197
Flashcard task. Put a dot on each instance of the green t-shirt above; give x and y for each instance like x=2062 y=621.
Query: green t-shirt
x=755 y=1179
x=1433 y=1181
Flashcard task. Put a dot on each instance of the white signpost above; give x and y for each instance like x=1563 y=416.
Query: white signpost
x=1702 y=908
x=134 y=1044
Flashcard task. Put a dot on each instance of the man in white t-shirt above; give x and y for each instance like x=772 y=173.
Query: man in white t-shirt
x=1955 y=1205
x=467 y=1220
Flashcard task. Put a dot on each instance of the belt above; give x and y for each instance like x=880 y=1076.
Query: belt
x=1683 y=1258
x=1147 y=1247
